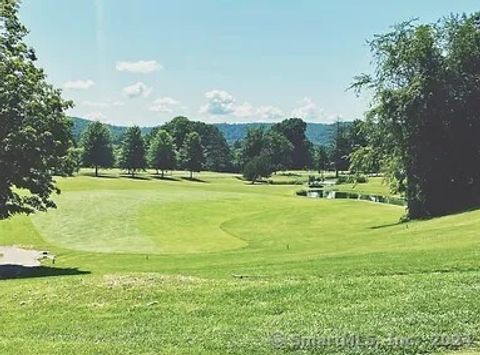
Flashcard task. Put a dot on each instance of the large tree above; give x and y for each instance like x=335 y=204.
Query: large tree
x=321 y=159
x=257 y=168
x=132 y=155
x=426 y=104
x=97 y=146
x=279 y=149
x=218 y=156
x=34 y=131
x=253 y=144
x=161 y=152
x=294 y=130
x=178 y=128
x=192 y=153
x=340 y=147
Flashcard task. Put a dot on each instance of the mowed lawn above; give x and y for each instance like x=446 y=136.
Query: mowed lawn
x=216 y=265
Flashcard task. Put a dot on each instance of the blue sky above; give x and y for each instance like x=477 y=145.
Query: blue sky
x=146 y=61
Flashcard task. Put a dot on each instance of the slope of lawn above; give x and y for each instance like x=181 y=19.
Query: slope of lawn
x=374 y=185
x=215 y=265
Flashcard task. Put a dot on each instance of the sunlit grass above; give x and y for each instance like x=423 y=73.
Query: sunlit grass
x=217 y=265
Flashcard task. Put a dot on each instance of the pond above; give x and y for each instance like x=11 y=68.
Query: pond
x=329 y=194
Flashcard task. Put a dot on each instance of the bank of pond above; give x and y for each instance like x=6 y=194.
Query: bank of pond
x=332 y=194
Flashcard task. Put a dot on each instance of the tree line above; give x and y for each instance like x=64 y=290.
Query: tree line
x=196 y=146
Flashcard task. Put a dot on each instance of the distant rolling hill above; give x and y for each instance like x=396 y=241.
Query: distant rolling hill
x=317 y=133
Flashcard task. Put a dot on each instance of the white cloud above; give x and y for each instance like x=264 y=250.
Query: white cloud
x=219 y=103
x=103 y=104
x=222 y=103
x=243 y=110
x=269 y=113
x=136 y=90
x=164 y=105
x=79 y=84
x=141 y=66
x=95 y=116
x=307 y=110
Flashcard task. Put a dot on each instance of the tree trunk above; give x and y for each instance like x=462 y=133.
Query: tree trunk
x=191 y=175
x=96 y=170
x=163 y=174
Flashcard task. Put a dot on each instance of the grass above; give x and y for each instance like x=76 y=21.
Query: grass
x=218 y=266
x=375 y=185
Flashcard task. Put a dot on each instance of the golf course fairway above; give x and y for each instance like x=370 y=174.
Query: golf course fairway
x=218 y=265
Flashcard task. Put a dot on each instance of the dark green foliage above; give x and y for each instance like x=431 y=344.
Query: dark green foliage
x=279 y=149
x=179 y=128
x=217 y=152
x=276 y=145
x=96 y=143
x=132 y=155
x=294 y=130
x=34 y=131
x=427 y=107
x=340 y=148
x=348 y=137
x=161 y=152
x=356 y=134
x=257 y=168
x=219 y=156
x=365 y=160
x=253 y=145
x=237 y=156
x=271 y=144
x=317 y=133
x=72 y=162
x=321 y=160
x=192 y=153
x=351 y=179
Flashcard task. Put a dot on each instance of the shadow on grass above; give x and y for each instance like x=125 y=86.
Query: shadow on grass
x=194 y=180
x=405 y=221
x=99 y=176
x=390 y=225
x=166 y=178
x=21 y=272
x=258 y=182
x=288 y=174
x=136 y=177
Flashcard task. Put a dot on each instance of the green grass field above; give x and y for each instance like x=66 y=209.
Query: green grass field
x=220 y=266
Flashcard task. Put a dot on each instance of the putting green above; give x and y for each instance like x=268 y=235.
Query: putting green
x=145 y=221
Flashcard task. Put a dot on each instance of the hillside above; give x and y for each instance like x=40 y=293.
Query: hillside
x=317 y=133
x=80 y=124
